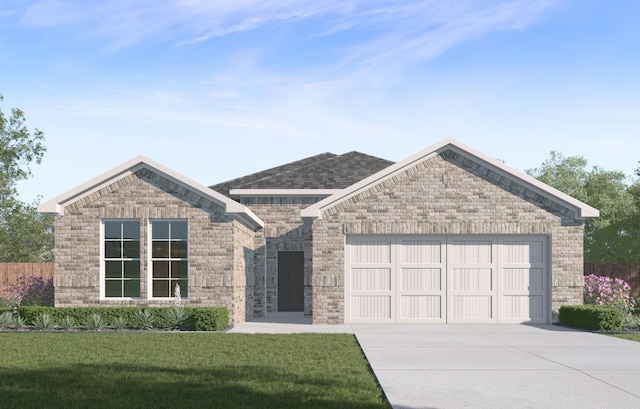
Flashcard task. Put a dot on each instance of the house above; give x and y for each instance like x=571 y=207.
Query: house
x=448 y=235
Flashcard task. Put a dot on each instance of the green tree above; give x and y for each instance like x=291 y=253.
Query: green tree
x=25 y=235
x=613 y=236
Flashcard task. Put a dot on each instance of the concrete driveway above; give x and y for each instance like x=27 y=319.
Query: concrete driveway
x=501 y=366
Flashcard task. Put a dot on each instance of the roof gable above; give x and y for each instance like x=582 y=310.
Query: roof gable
x=582 y=210
x=233 y=208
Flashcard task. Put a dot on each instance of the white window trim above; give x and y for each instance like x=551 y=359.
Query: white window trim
x=102 y=261
x=150 y=258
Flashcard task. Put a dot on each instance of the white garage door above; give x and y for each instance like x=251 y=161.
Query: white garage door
x=446 y=279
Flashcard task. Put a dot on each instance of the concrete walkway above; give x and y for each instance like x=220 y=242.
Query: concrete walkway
x=487 y=366
x=288 y=323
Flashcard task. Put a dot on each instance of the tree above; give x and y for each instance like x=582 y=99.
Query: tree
x=613 y=236
x=568 y=175
x=25 y=235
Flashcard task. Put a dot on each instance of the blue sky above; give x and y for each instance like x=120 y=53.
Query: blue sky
x=219 y=89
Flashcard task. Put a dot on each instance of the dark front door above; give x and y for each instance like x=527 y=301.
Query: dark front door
x=291 y=281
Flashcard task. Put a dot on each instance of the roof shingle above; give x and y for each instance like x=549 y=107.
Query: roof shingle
x=324 y=171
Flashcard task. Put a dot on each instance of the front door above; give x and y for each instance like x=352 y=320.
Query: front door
x=291 y=281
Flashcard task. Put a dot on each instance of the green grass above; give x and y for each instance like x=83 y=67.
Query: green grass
x=631 y=337
x=185 y=370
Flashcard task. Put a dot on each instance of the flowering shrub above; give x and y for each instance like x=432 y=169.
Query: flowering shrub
x=29 y=291
x=608 y=291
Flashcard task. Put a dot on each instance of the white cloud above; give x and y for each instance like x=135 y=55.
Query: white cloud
x=49 y=13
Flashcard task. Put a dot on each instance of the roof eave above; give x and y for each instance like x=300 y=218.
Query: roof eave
x=57 y=204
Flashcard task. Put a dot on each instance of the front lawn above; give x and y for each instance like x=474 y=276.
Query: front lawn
x=185 y=370
x=631 y=337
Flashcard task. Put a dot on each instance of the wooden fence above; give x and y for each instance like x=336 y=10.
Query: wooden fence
x=627 y=272
x=10 y=272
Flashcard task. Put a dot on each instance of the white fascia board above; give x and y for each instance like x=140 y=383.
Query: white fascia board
x=282 y=192
x=583 y=210
x=247 y=216
x=56 y=205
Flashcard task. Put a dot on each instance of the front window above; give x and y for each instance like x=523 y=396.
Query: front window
x=169 y=260
x=121 y=244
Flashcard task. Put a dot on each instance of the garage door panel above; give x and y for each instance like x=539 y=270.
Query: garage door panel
x=471 y=251
x=421 y=307
x=521 y=308
x=517 y=252
x=468 y=308
x=523 y=292
x=523 y=279
x=370 y=279
x=370 y=252
x=471 y=279
x=421 y=252
x=421 y=279
x=370 y=307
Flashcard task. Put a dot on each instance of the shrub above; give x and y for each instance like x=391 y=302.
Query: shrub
x=594 y=317
x=29 y=291
x=94 y=322
x=80 y=314
x=67 y=322
x=16 y=322
x=5 y=319
x=200 y=318
x=43 y=322
x=211 y=318
x=144 y=319
x=120 y=322
x=631 y=321
x=608 y=291
x=176 y=318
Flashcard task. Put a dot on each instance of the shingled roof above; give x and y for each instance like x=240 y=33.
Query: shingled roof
x=324 y=171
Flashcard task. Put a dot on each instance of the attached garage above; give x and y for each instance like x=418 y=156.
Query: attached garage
x=447 y=279
x=448 y=235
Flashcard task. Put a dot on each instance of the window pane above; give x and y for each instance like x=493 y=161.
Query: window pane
x=113 y=269
x=184 y=288
x=179 y=230
x=160 y=230
x=160 y=249
x=112 y=249
x=178 y=269
x=131 y=229
x=131 y=249
x=161 y=288
x=112 y=230
x=132 y=288
x=160 y=269
x=113 y=288
x=132 y=269
x=179 y=249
